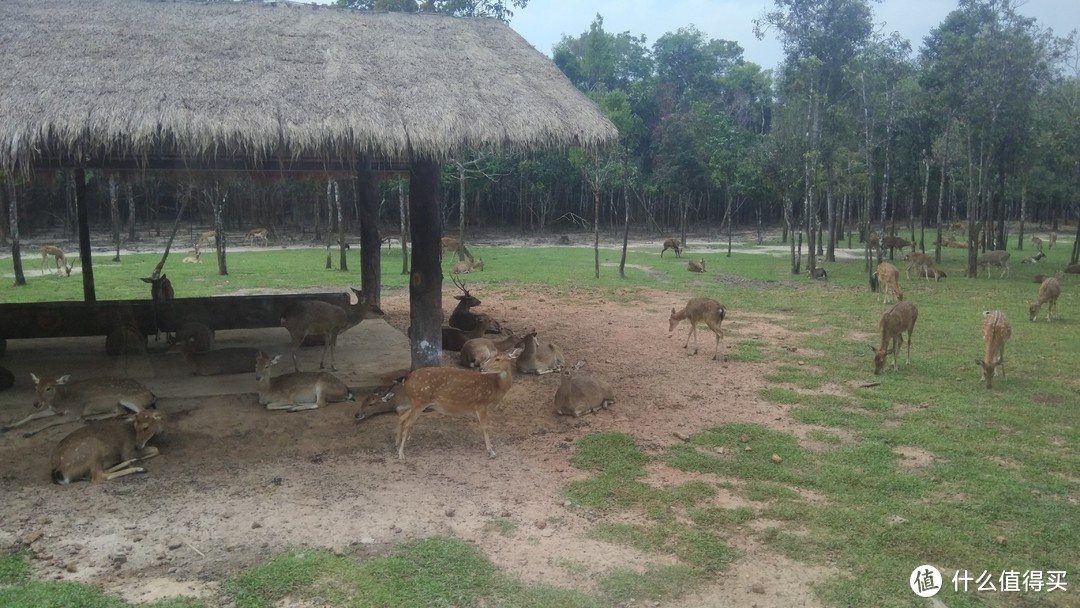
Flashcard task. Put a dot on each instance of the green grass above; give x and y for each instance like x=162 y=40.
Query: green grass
x=998 y=463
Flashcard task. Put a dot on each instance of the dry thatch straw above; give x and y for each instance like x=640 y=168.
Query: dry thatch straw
x=138 y=78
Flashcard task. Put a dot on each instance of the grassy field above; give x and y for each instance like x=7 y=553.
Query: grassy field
x=997 y=488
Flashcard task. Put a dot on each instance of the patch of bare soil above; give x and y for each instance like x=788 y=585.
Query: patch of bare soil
x=236 y=484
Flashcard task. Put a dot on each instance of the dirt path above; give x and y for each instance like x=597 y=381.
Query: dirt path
x=237 y=484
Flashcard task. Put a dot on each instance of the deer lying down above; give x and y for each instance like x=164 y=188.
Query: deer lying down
x=996 y=331
x=296 y=391
x=476 y=352
x=106 y=450
x=453 y=391
x=384 y=401
x=463 y=318
x=1049 y=291
x=214 y=362
x=538 y=357
x=700 y=310
x=466 y=266
x=581 y=393
x=696 y=265
x=93 y=398
x=894 y=322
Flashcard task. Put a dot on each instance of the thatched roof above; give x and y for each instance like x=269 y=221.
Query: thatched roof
x=133 y=79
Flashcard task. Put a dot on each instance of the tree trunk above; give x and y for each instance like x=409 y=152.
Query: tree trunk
x=461 y=211
x=367 y=190
x=403 y=209
x=625 y=235
x=13 y=223
x=596 y=229
x=129 y=191
x=220 y=197
x=342 y=245
x=941 y=187
x=425 y=282
x=114 y=214
x=86 y=259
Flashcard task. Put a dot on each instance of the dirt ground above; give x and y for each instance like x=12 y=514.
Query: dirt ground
x=236 y=484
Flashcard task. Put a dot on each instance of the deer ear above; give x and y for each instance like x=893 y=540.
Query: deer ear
x=63 y=379
x=34 y=377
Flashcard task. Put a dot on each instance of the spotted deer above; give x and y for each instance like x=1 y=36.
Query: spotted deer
x=453 y=391
x=699 y=310
x=996 y=330
x=106 y=450
x=894 y=322
x=97 y=398
x=1049 y=291
x=888 y=281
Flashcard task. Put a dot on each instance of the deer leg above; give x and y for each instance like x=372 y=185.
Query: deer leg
x=121 y=473
x=302 y=407
x=908 y=362
x=296 y=341
x=104 y=416
x=405 y=422
x=332 y=339
x=45 y=413
x=481 y=417
x=49 y=426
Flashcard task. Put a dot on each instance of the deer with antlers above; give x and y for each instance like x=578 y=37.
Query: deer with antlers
x=699 y=310
x=463 y=318
x=59 y=259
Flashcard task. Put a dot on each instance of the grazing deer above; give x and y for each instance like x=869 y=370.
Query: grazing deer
x=672 y=244
x=477 y=351
x=452 y=244
x=94 y=398
x=215 y=362
x=538 y=357
x=700 y=310
x=257 y=234
x=998 y=258
x=59 y=259
x=894 y=322
x=463 y=318
x=933 y=272
x=894 y=242
x=696 y=265
x=194 y=259
x=1051 y=240
x=1036 y=243
x=581 y=393
x=996 y=330
x=918 y=262
x=296 y=391
x=206 y=238
x=1049 y=291
x=315 y=317
x=453 y=391
x=466 y=266
x=888 y=281
x=106 y=450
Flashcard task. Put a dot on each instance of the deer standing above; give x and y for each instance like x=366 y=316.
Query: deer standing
x=1049 y=291
x=998 y=258
x=996 y=330
x=894 y=322
x=296 y=391
x=581 y=393
x=1036 y=243
x=453 y=391
x=206 y=237
x=315 y=317
x=888 y=281
x=700 y=310
x=94 y=398
x=919 y=262
x=106 y=450
x=161 y=291
x=257 y=234
x=538 y=357
x=696 y=265
x=59 y=259
x=672 y=244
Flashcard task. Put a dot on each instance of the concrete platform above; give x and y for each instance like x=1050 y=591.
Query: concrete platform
x=366 y=356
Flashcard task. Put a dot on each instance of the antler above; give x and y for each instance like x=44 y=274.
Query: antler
x=460 y=285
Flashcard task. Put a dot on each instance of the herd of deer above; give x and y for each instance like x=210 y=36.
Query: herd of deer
x=996 y=329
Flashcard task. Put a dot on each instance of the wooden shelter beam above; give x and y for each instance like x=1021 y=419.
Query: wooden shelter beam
x=89 y=293
x=336 y=167
x=425 y=281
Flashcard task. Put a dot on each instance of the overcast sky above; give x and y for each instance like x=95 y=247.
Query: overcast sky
x=544 y=22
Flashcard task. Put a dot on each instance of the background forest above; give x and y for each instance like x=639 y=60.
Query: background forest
x=974 y=134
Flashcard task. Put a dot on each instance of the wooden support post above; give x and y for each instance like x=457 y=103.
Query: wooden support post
x=425 y=282
x=89 y=295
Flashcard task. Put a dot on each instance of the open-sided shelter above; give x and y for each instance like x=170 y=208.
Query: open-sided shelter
x=176 y=85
